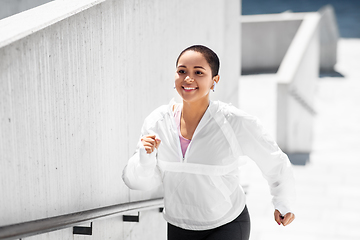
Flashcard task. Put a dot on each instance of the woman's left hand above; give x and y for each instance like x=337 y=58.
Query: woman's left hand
x=284 y=220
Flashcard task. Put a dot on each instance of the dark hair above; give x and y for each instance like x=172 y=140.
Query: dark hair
x=209 y=55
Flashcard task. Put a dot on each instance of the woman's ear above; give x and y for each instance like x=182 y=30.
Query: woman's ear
x=216 y=81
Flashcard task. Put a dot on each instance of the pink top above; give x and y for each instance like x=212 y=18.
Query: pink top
x=184 y=143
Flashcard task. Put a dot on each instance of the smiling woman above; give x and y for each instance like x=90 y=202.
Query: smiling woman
x=193 y=78
x=195 y=149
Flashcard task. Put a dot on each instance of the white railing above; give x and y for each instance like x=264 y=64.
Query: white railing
x=27 y=23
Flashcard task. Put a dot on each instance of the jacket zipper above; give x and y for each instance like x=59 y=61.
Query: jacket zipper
x=174 y=128
x=183 y=158
x=198 y=129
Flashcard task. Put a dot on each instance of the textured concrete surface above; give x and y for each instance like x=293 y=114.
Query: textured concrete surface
x=328 y=187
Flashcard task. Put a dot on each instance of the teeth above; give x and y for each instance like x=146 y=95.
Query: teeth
x=189 y=88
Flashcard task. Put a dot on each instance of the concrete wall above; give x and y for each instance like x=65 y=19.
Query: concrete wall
x=295 y=47
x=298 y=75
x=76 y=82
x=265 y=40
x=11 y=7
x=289 y=45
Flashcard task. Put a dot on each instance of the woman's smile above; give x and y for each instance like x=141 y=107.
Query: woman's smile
x=189 y=89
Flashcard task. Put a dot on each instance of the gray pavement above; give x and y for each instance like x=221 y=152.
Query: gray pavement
x=328 y=187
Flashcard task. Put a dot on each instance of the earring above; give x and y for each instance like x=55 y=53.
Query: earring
x=214 y=86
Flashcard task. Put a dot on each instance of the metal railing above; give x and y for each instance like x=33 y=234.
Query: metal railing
x=36 y=227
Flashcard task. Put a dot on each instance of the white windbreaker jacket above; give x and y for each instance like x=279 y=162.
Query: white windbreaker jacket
x=201 y=189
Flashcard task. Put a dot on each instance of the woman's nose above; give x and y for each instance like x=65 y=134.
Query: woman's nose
x=188 y=78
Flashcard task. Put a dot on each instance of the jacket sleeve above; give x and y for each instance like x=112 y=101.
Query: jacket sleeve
x=141 y=171
x=274 y=164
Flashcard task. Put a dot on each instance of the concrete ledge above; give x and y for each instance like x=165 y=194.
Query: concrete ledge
x=297 y=49
x=276 y=17
x=298 y=74
x=25 y=23
x=266 y=38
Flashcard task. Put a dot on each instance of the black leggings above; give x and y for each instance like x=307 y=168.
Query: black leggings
x=238 y=229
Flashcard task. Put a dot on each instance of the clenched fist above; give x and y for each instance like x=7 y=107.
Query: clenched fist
x=150 y=142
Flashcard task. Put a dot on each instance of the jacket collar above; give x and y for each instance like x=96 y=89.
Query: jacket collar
x=209 y=113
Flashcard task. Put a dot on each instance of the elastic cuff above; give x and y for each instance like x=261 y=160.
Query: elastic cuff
x=283 y=209
x=147 y=160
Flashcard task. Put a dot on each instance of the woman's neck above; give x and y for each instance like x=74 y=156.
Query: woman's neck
x=191 y=116
x=194 y=111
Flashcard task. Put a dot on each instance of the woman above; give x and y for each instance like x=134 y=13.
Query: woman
x=195 y=150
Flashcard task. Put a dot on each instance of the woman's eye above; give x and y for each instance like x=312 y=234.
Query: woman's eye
x=181 y=71
x=198 y=73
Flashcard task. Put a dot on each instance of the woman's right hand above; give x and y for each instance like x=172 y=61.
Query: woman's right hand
x=150 y=142
x=284 y=220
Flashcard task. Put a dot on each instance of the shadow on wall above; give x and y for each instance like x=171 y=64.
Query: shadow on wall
x=333 y=73
x=12 y=7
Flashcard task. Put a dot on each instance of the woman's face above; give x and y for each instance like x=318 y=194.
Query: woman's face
x=193 y=78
